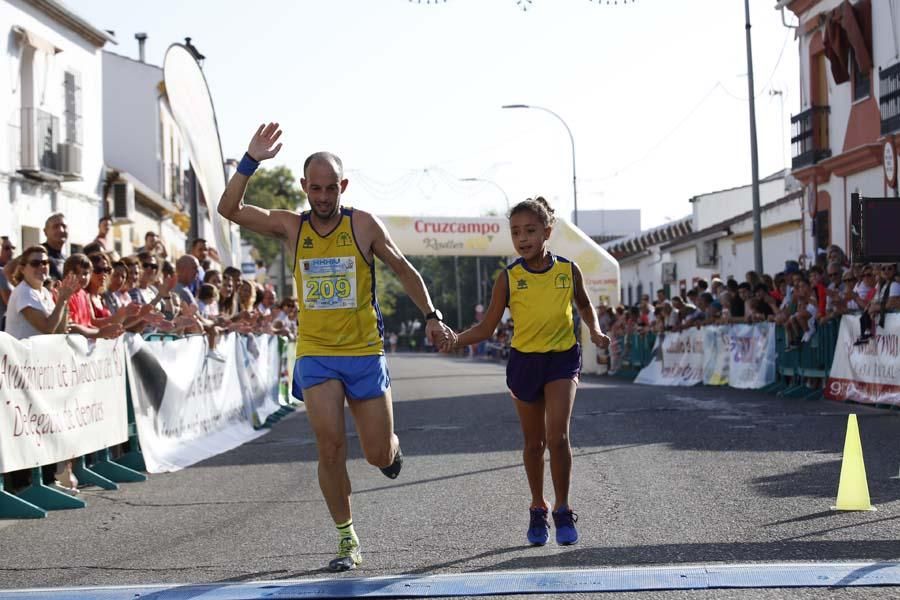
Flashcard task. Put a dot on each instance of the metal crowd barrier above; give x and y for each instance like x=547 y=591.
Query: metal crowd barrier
x=811 y=360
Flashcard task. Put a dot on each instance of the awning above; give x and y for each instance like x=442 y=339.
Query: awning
x=143 y=192
x=846 y=27
x=32 y=39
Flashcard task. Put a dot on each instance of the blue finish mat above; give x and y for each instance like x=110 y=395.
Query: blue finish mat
x=625 y=579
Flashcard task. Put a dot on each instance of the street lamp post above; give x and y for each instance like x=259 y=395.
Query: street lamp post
x=571 y=140
x=493 y=183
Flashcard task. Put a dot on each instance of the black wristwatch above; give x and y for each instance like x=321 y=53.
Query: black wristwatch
x=435 y=314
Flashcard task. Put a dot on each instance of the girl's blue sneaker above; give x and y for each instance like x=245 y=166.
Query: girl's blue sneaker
x=564 y=520
x=538 y=527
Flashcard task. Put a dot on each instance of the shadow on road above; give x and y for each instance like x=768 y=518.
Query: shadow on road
x=624 y=415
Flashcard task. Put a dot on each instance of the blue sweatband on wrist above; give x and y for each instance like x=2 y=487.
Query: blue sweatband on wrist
x=247 y=166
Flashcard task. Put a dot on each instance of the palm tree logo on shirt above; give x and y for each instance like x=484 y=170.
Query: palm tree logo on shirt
x=343 y=239
x=563 y=281
x=307 y=242
x=521 y=284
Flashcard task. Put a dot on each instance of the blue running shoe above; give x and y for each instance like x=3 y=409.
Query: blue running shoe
x=564 y=520
x=538 y=527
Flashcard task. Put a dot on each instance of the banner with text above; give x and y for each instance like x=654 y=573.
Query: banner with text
x=60 y=397
x=741 y=356
x=867 y=373
x=677 y=359
x=188 y=406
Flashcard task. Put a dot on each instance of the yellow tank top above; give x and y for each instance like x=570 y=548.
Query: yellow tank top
x=541 y=306
x=339 y=315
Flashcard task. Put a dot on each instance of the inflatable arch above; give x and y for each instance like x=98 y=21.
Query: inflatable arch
x=489 y=236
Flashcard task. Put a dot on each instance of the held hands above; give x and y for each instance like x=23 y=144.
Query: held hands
x=450 y=343
x=261 y=146
x=438 y=333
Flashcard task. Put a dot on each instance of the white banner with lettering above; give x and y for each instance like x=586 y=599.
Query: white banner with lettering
x=867 y=373
x=60 y=397
x=188 y=406
x=752 y=356
x=741 y=356
x=677 y=359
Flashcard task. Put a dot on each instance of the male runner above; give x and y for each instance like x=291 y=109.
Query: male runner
x=340 y=345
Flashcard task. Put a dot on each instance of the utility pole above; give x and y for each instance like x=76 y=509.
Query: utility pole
x=754 y=156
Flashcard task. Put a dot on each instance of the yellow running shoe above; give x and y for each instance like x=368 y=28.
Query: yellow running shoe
x=348 y=556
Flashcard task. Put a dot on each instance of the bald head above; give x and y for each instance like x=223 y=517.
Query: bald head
x=186 y=269
x=325 y=157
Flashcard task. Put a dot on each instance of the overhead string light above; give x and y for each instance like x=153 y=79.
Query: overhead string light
x=526 y=4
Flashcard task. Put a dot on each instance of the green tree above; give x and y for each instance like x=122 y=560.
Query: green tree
x=272 y=188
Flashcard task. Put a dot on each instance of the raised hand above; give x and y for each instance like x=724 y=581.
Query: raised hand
x=168 y=284
x=67 y=287
x=261 y=146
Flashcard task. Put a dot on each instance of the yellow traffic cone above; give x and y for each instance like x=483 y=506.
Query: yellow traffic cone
x=853 y=491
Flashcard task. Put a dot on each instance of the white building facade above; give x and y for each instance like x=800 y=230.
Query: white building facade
x=716 y=240
x=144 y=156
x=850 y=107
x=52 y=156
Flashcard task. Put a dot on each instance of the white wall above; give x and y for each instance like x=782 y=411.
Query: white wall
x=622 y=222
x=80 y=200
x=716 y=207
x=131 y=123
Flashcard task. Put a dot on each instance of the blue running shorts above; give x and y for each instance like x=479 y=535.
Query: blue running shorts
x=364 y=377
x=528 y=372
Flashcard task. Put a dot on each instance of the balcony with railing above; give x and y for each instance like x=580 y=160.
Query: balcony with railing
x=809 y=137
x=889 y=98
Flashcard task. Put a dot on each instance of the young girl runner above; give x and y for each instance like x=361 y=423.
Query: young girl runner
x=545 y=359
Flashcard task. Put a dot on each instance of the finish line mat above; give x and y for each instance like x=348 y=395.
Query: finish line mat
x=628 y=579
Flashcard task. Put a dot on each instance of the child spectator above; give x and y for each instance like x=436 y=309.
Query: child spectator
x=208 y=301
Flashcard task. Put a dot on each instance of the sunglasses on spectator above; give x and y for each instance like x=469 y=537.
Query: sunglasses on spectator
x=99 y=270
x=38 y=263
x=152 y=266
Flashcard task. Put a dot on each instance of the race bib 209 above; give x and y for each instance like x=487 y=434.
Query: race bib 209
x=329 y=283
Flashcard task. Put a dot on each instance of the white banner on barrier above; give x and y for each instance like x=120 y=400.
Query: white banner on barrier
x=260 y=374
x=60 y=397
x=717 y=352
x=742 y=356
x=188 y=407
x=677 y=359
x=867 y=373
x=752 y=356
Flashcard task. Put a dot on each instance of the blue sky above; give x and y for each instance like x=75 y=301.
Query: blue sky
x=409 y=93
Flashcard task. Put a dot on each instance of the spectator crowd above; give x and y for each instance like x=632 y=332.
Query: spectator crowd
x=796 y=298
x=98 y=294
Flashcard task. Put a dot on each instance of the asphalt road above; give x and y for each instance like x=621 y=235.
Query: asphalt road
x=663 y=476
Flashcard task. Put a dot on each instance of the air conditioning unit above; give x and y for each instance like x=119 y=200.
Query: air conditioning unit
x=668 y=273
x=123 y=202
x=69 y=159
x=39 y=141
x=707 y=254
